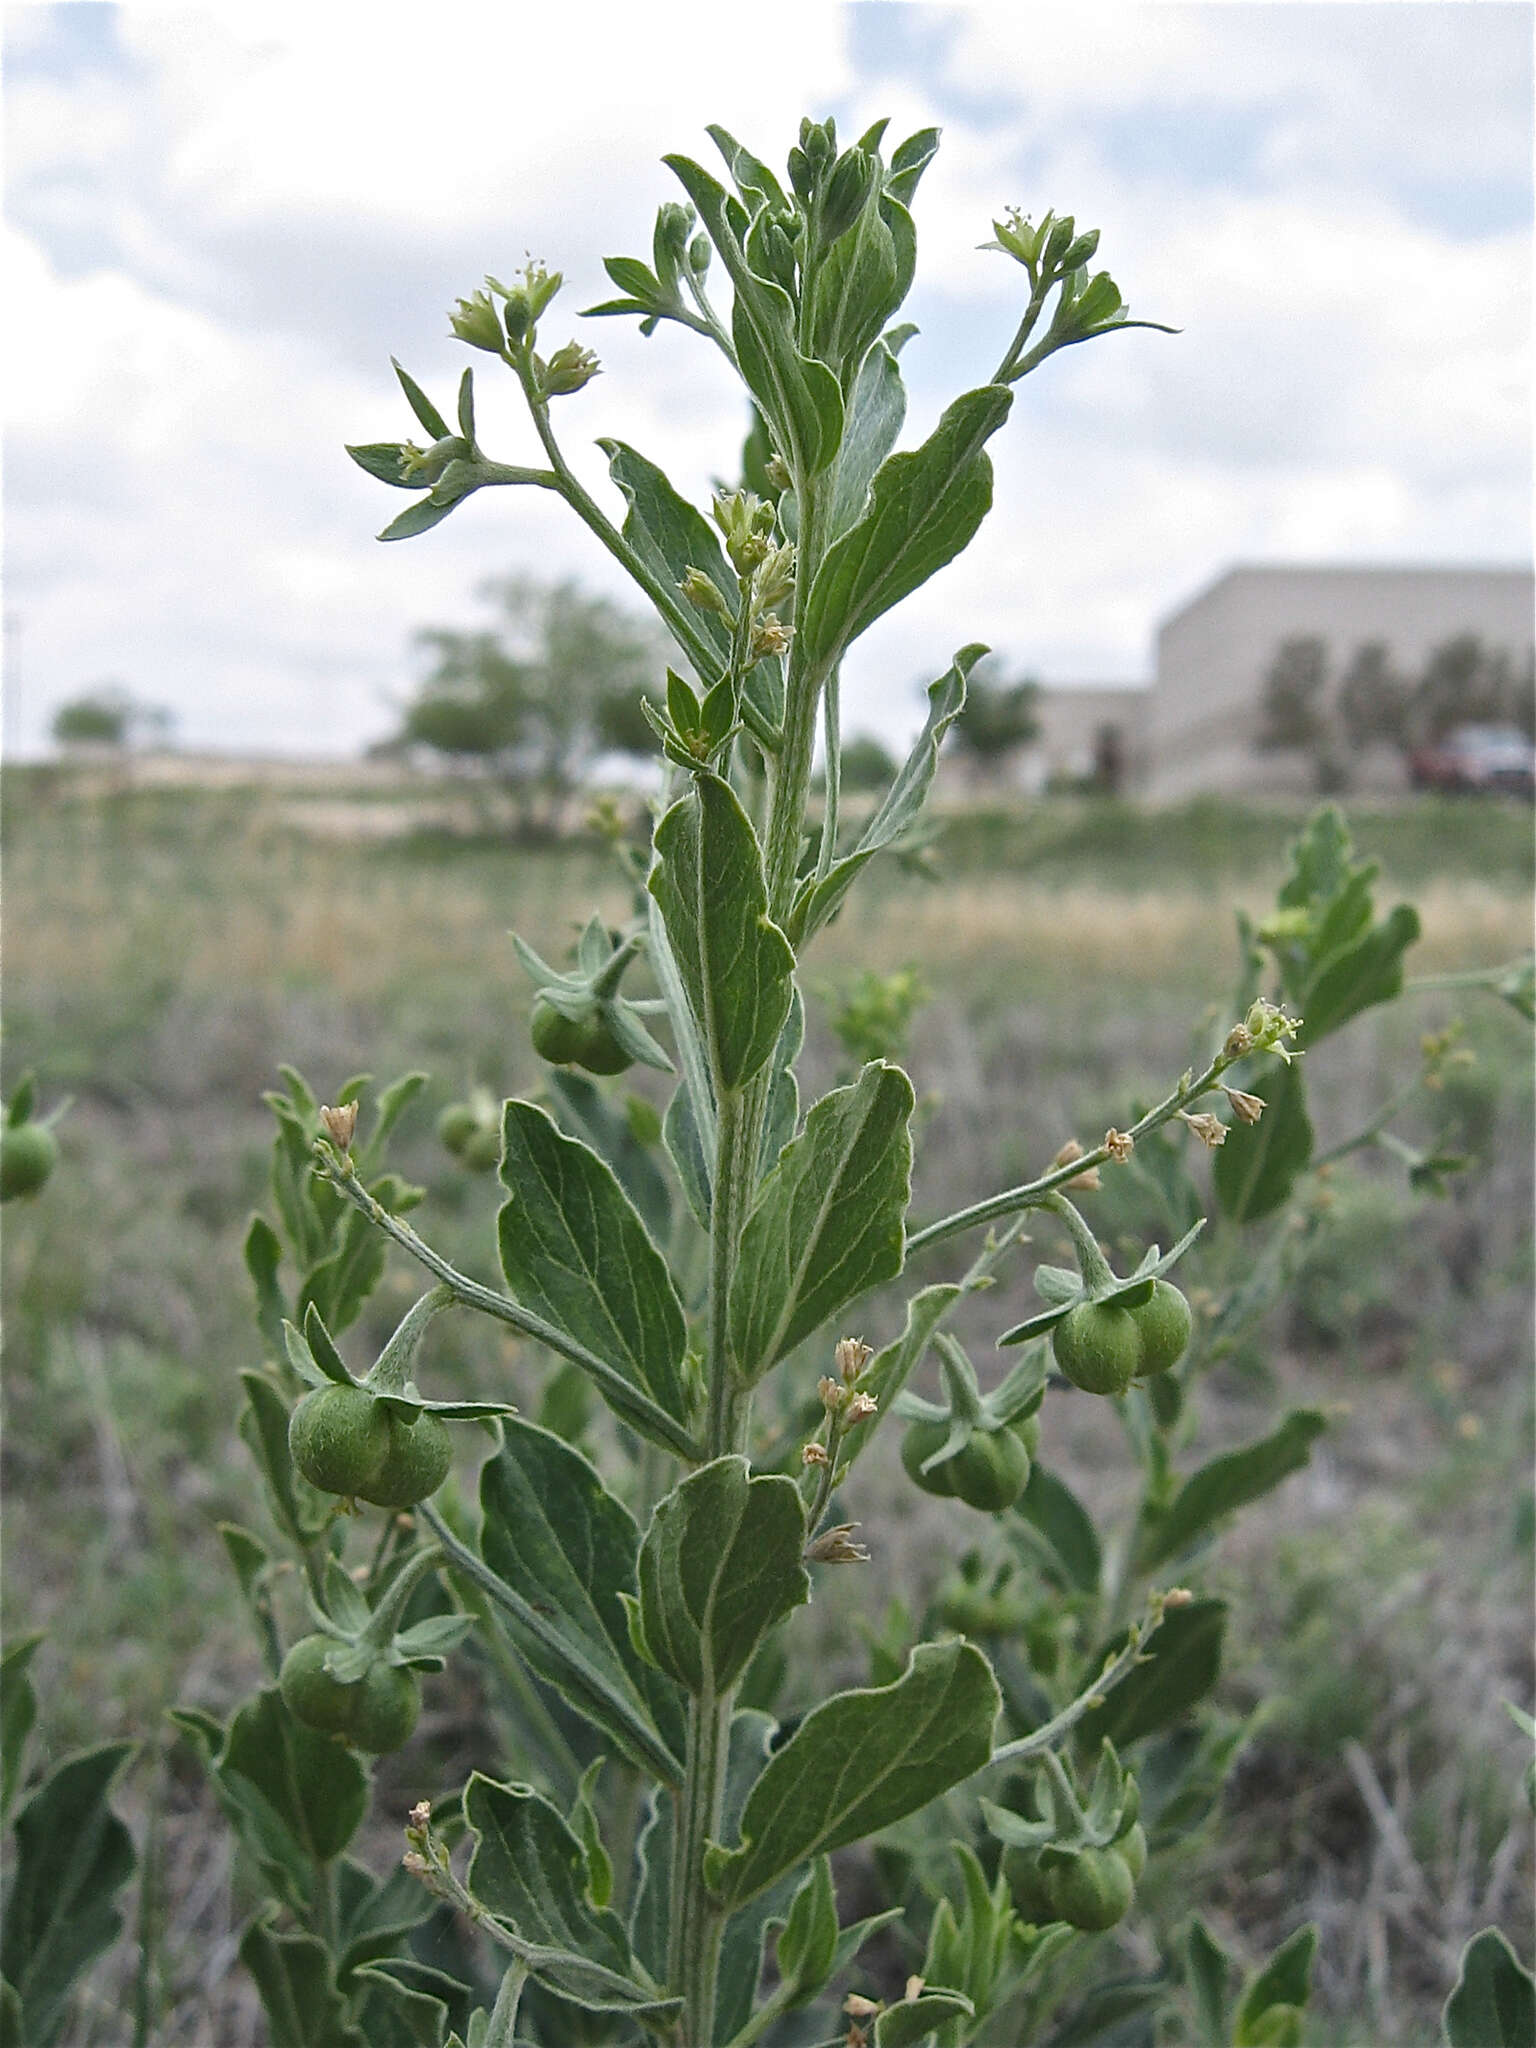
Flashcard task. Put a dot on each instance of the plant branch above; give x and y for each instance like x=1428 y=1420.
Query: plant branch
x=646 y=1745
x=471 y=1294
x=1032 y=1194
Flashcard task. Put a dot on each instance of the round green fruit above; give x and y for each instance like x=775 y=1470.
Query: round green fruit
x=339 y=1438
x=1028 y=1888
x=1098 y=1347
x=1091 y=1890
x=571 y=1042
x=28 y=1154
x=415 y=1463
x=988 y=1473
x=481 y=1151
x=376 y=1714
x=456 y=1126
x=1163 y=1325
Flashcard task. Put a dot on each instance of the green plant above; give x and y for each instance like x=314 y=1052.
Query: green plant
x=28 y=1149
x=658 y=1867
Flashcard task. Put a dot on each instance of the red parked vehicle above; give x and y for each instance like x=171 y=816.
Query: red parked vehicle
x=1477 y=760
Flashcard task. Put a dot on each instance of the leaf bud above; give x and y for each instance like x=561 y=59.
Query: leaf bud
x=568 y=369
x=1237 y=1043
x=847 y=189
x=1057 y=244
x=669 y=244
x=703 y=593
x=476 y=322
x=1098 y=304
x=517 y=316
x=776 y=469
x=1081 y=250
x=1017 y=237
x=699 y=253
x=775 y=577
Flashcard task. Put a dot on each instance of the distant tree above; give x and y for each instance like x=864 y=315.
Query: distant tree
x=1292 y=709
x=998 y=719
x=1373 y=698
x=867 y=764
x=1465 y=683
x=110 y=716
x=557 y=680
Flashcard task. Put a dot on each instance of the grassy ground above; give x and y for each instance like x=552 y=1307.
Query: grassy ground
x=166 y=951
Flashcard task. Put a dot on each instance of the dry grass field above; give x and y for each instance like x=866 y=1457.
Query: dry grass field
x=164 y=950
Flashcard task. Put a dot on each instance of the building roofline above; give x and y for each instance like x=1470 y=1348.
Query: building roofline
x=1236 y=569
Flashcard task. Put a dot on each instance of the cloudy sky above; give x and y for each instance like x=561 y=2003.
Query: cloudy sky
x=221 y=222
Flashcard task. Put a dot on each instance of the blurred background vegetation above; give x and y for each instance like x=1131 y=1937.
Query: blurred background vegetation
x=168 y=948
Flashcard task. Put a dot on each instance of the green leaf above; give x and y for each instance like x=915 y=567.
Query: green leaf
x=1367 y=973
x=10 y=2017
x=736 y=965
x=1208 y=1970
x=807 y=1946
x=73 y=1855
x=425 y=411
x=860 y=1761
x=375 y=1916
x=294 y=1797
x=551 y=1529
x=293 y=1974
x=584 y=1107
x=685 y=1148
x=1494 y=2002
x=858 y=285
x=877 y=407
x=1259 y=1164
x=915 y=2020
x=1228 y=1483
x=1271 y=2011
x=719 y=1568
x=800 y=399
x=407 y=2004
x=671 y=536
x=1050 y=1507
x=575 y=1252
x=924 y=508
x=418 y=518
x=300 y=1511
x=829 y=1220
x=1099 y=2015
x=384 y=460
x=902 y=804
x=18 y=1712
x=263 y=1256
x=588 y=1829
x=1180 y=1662
x=891 y=1367
x=529 y=1873
x=782 y=1113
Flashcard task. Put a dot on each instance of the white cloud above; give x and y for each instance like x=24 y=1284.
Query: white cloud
x=227 y=220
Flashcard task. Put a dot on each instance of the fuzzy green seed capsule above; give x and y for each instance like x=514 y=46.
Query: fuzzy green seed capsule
x=339 y=1438
x=28 y=1154
x=376 y=1713
x=988 y=1473
x=1091 y=1891
x=569 y=1042
x=1098 y=1347
x=414 y=1465
x=1163 y=1325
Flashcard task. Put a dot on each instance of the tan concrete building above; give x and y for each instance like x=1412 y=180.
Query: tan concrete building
x=1203 y=710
